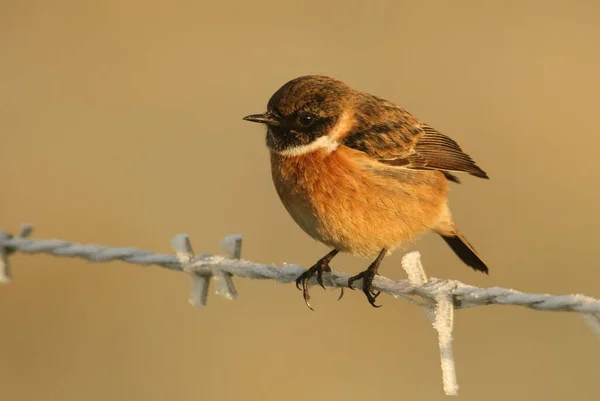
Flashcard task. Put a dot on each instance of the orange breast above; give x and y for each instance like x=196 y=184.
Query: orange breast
x=356 y=205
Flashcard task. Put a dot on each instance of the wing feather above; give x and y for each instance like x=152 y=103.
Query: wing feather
x=394 y=137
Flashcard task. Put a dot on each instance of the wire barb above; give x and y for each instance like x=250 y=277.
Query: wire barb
x=232 y=246
x=444 y=323
x=440 y=314
x=593 y=321
x=201 y=272
x=438 y=297
x=5 y=273
x=185 y=255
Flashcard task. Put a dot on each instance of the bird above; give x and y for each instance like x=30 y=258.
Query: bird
x=361 y=175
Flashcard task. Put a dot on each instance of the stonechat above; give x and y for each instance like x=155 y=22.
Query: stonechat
x=360 y=174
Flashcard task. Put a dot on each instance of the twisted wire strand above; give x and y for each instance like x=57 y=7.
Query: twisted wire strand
x=439 y=297
x=466 y=296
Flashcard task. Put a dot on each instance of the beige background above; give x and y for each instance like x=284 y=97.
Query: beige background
x=121 y=124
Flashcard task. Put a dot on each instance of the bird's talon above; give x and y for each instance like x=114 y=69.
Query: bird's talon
x=305 y=293
x=367 y=278
x=318 y=268
x=353 y=279
x=372 y=302
x=369 y=292
x=308 y=303
x=320 y=278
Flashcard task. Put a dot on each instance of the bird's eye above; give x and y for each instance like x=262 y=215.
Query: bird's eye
x=305 y=119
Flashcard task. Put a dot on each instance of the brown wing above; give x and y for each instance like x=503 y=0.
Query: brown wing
x=405 y=142
x=434 y=150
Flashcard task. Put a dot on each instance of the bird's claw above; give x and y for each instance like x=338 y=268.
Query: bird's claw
x=303 y=279
x=367 y=285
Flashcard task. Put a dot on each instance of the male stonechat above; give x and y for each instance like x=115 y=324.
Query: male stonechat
x=360 y=174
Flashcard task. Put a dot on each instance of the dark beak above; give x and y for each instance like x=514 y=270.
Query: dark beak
x=265 y=118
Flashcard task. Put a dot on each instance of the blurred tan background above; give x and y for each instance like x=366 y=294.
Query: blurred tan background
x=120 y=124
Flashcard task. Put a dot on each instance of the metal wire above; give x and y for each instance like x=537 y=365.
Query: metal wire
x=439 y=297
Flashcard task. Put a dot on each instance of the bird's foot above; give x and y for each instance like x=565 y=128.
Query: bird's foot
x=367 y=285
x=318 y=268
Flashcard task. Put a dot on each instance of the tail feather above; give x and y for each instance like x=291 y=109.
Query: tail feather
x=465 y=251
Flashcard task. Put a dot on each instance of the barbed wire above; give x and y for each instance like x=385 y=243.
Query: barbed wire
x=439 y=297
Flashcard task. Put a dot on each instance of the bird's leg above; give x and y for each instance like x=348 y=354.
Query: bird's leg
x=321 y=266
x=367 y=278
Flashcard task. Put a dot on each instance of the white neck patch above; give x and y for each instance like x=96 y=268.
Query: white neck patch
x=324 y=142
x=328 y=143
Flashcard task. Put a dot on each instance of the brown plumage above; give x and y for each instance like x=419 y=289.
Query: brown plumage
x=360 y=174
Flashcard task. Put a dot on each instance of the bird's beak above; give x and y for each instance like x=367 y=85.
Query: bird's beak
x=265 y=118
